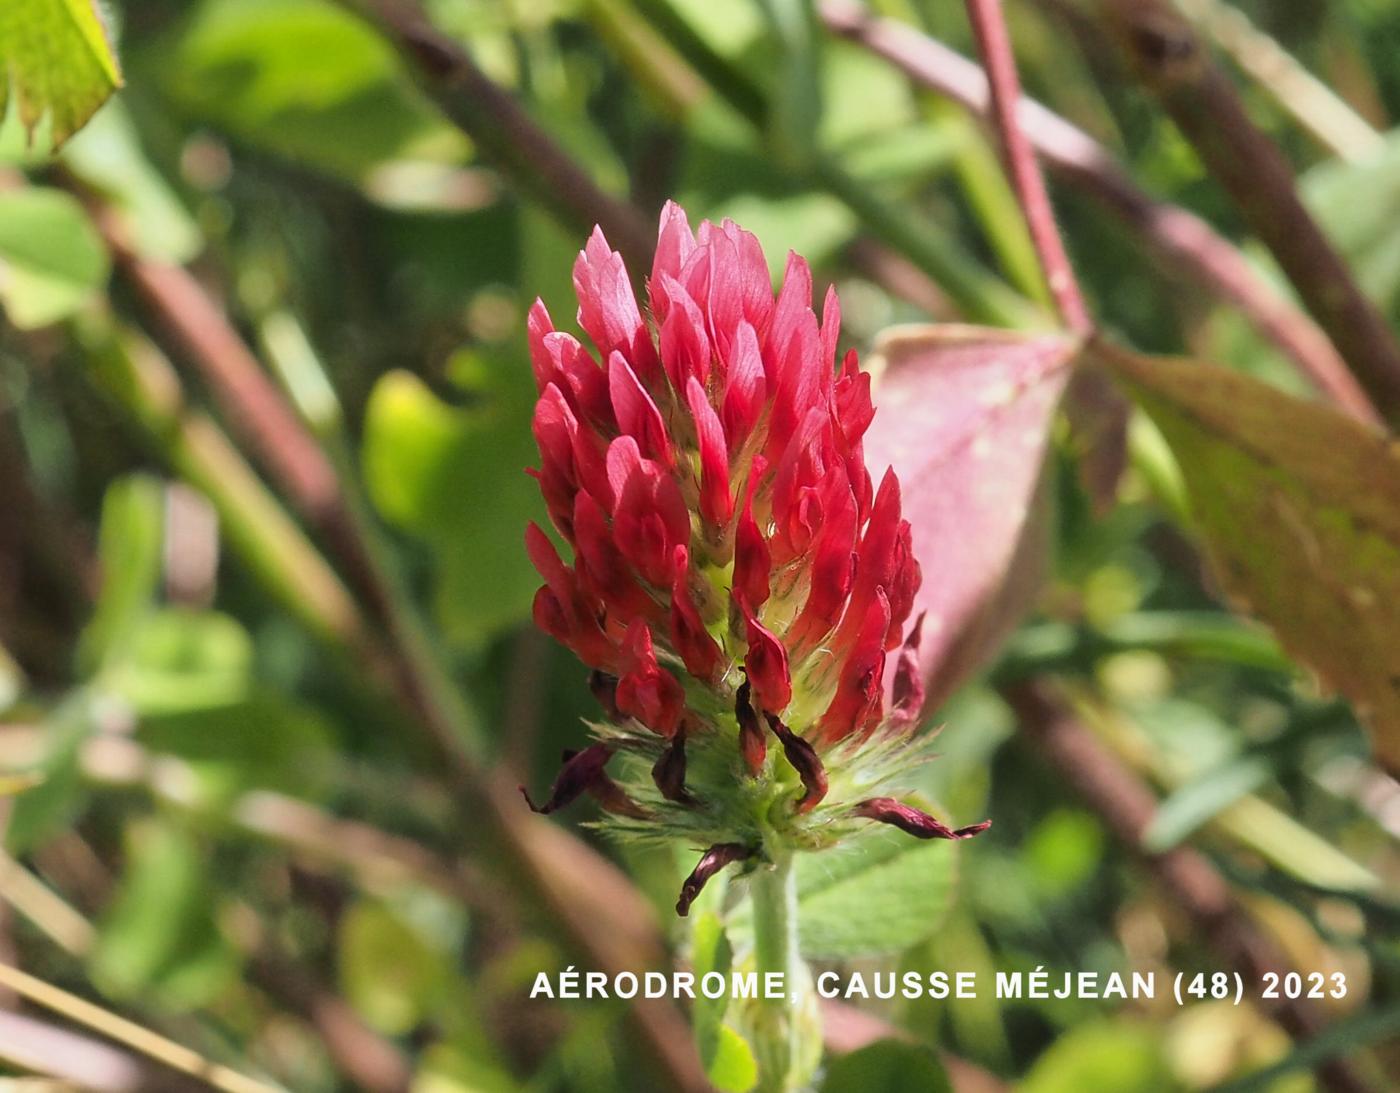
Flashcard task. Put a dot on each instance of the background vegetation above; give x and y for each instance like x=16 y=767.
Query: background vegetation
x=266 y=671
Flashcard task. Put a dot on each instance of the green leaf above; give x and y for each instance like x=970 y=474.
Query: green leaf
x=1300 y=510
x=12 y=785
x=456 y=478
x=189 y=676
x=58 y=796
x=389 y=971
x=1358 y=203
x=726 y=1055
x=1123 y=1057
x=1202 y=799
x=308 y=81
x=160 y=932
x=107 y=156
x=888 y=1066
x=51 y=258
x=56 y=60
x=882 y=892
x=130 y=540
x=731 y=1067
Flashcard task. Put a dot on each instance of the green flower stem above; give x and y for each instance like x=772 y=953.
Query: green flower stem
x=786 y=1031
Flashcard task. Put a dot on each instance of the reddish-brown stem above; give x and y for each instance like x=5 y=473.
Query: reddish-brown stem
x=995 y=44
x=1257 y=176
x=1127 y=805
x=1182 y=240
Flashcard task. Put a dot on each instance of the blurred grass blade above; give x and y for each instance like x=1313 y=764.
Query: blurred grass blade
x=1354 y=1033
x=1201 y=799
x=134 y=1036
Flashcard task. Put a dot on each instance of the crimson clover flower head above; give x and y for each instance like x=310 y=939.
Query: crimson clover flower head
x=736 y=575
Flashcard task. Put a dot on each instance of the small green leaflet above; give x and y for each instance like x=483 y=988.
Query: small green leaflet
x=57 y=61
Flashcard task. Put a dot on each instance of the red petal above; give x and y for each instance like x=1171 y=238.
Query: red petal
x=607 y=308
x=674 y=244
x=753 y=564
x=637 y=415
x=766 y=665
x=685 y=346
x=647 y=691
x=716 y=504
x=745 y=388
x=856 y=706
x=692 y=641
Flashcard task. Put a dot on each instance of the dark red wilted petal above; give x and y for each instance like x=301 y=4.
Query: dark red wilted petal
x=583 y=772
x=603 y=687
x=669 y=772
x=805 y=761
x=753 y=745
x=920 y=824
x=908 y=693
x=711 y=862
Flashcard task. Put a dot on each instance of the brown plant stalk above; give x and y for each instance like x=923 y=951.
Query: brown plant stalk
x=1185 y=242
x=994 y=40
x=1253 y=171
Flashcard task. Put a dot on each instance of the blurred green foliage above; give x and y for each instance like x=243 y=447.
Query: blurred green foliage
x=195 y=743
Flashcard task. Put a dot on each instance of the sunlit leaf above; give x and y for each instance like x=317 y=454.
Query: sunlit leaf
x=160 y=933
x=963 y=415
x=880 y=893
x=1121 y=1056
x=731 y=1068
x=129 y=545
x=1300 y=510
x=55 y=61
x=13 y=784
x=51 y=259
x=889 y=1066
x=107 y=156
x=307 y=80
x=456 y=477
x=389 y=971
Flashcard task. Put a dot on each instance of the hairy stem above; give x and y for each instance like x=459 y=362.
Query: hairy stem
x=783 y=1027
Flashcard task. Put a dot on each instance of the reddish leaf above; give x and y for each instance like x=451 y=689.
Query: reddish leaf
x=964 y=417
